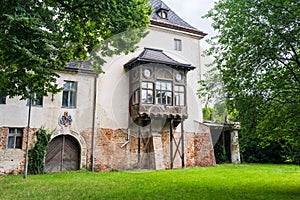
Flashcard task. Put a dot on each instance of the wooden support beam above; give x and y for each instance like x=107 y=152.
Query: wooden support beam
x=139 y=145
x=171 y=144
x=182 y=145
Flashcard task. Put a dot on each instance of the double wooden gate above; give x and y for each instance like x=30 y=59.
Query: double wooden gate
x=63 y=153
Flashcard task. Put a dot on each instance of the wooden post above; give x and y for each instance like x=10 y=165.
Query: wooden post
x=182 y=145
x=171 y=144
x=139 y=145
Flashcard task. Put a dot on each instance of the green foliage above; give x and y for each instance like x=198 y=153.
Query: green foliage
x=257 y=53
x=206 y=113
x=39 y=37
x=36 y=155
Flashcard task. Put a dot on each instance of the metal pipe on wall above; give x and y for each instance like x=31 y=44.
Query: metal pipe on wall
x=93 y=124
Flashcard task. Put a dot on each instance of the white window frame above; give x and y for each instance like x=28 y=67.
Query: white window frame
x=147 y=91
x=16 y=135
x=163 y=87
x=179 y=95
x=69 y=95
x=177 y=44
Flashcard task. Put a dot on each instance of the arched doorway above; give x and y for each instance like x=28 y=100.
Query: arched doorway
x=63 y=153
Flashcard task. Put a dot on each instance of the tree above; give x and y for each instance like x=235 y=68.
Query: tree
x=39 y=37
x=257 y=51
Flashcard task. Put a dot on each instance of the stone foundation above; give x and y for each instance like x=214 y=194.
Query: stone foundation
x=113 y=152
x=12 y=161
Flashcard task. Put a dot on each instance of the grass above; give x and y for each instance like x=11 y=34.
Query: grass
x=220 y=182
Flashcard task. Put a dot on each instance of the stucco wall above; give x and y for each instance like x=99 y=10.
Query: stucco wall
x=16 y=111
x=113 y=86
x=112 y=112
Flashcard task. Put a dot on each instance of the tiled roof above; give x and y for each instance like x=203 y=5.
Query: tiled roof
x=150 y=55
x=80 y=66
x=173 y=20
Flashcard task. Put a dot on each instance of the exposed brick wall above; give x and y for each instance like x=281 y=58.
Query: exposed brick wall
x=3 y=138
x=12 y=160
x=203 y=150
x=87 y=135
x=109 y=155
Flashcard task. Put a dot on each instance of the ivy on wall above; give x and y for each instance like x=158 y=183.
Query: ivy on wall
x=36 y=164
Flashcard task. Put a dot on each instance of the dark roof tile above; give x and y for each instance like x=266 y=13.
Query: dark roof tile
x=173 y=19
x=150 y=55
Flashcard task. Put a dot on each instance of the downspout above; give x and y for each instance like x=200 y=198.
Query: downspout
x=128 y=132
x=129 y=122
x=93 y=123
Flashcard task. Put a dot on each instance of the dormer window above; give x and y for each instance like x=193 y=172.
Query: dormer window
x=163 y=13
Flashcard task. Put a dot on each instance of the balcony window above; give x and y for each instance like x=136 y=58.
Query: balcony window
x=147 y=92
x=163 y=92
x=179 y=95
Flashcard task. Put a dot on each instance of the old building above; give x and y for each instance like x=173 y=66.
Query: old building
x=143 y=113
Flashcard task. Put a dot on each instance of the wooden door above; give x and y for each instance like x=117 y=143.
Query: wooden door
x=63 y=153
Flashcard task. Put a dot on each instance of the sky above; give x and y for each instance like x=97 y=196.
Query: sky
x=192 y=11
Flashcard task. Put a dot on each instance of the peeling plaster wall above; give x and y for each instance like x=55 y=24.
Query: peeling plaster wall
x=113 y=86
x=112 y=111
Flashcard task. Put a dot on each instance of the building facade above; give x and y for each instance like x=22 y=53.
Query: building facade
x=143 y=113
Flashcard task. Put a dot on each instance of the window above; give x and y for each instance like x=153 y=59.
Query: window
x=147 y=92
x=2 y=99
x=163 y=93
x=163 y=14
x=136 y=97
x=177 y=45
x=36 y=100
x=15 y=138
x=69 y=94
x=179 y=95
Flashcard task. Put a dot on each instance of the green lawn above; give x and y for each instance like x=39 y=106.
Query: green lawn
x=220 y=182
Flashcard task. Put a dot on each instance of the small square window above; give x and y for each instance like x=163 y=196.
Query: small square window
x=177 y=45
x=15 y=137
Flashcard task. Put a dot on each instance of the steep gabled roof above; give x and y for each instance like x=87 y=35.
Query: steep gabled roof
x=150 y=55
x=173 y=21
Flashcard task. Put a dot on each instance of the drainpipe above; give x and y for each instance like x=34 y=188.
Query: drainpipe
x=93 y=123
x=129 y=122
